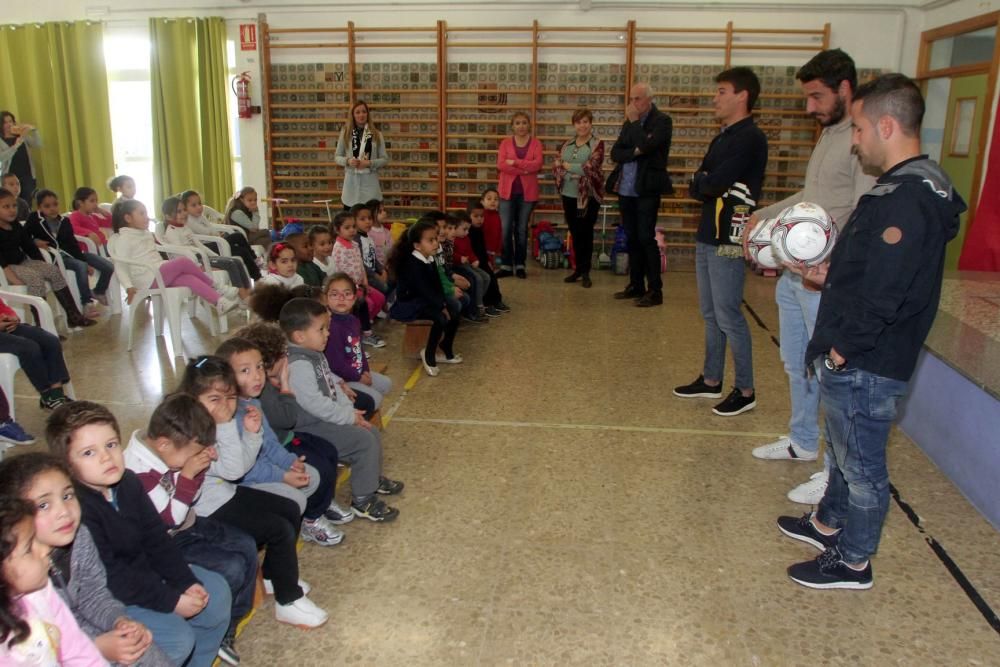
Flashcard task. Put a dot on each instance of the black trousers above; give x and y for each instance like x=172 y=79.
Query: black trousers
x=581 y=227
x=240 y=247
x=639 y=218
x=273 y=522
x=321 y=455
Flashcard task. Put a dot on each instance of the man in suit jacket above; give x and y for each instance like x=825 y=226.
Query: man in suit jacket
x=640 y=179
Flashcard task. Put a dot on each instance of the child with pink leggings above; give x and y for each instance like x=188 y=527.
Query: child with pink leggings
x=133 y=240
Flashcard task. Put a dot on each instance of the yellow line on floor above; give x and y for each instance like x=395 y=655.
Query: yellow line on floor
x=410 y=383
x=414 y=377
x=587 y=427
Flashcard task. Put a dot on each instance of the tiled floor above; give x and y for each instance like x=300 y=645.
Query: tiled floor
x=562 y=507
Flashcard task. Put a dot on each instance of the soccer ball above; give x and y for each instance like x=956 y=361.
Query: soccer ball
x=759 y=244
x=803 y=233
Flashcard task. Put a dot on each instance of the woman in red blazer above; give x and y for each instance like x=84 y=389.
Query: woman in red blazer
x=519 y=160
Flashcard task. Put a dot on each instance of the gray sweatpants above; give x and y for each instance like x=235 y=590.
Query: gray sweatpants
x=381 y=385
x=290 y=492
x=357 y=446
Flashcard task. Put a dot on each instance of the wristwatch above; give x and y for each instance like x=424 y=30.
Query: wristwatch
x=832 y=365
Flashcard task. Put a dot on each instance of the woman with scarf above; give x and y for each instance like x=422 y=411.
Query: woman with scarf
x=580 y=183
x=14 y=156
x=361 y=151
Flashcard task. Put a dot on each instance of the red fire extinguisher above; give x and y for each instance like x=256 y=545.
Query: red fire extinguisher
x=241 y=87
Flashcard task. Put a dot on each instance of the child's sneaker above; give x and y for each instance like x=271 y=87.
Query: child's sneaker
x=302 y=613
x=492 y=312
x=269 y=587
x=337 y=515
x=373 y=340
x=374 y=509
x=52 y=399
x=11 y=431
x=227 y=651
x=322 y=532
x=502 y=307
x=388 y=487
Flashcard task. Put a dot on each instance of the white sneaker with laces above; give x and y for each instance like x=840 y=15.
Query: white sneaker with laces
x=811 y=492
x=302 y=613
x=337 y=515
x=269 y=587
x=322 y=532
x=783 y=449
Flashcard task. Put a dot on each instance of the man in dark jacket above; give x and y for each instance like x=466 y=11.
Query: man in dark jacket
x=880 y=296
x=641 y=153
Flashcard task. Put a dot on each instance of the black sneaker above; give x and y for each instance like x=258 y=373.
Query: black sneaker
x=572 y=278
x=502 y=307
x=227 y=652
x=650 y=298
x=521 y=273
x=388 y=487
x=375 y=510
x=803 y=530
x=474 y=319
x=504 y=273
x=829 y=570
x=52 y=402
x=492 y=312
x=736 y=403
x=698 y=389
x=629 y=293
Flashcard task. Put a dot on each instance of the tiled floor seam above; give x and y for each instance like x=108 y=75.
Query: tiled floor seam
x=585 y=427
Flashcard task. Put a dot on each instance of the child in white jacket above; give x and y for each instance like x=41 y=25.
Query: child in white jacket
x=134 y=241
x=177 y=232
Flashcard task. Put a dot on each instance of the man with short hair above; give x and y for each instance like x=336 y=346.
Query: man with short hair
x=881 y=289
x=834 y=180
x=640 y=179
x=728 y=184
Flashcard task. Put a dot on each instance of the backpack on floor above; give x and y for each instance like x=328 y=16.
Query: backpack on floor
x=619 y=252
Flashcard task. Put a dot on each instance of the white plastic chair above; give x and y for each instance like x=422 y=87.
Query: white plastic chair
x=9 y=365
x=114 y=287
x=53 y=256
x=215 y=219
x=60 y=316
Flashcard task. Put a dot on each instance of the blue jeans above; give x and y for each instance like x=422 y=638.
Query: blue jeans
x=191 y=642
x=225 y=550
x=39 y=353
x=720 y=295
x=797 y=308
x=514 y=216
x=860 y=408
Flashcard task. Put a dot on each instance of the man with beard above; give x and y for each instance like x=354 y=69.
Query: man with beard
x=881 y=290
x=835 y=181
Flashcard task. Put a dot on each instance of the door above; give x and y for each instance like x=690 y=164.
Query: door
x=960 y=144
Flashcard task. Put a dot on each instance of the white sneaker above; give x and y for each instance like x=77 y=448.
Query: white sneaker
x=455 y=359
x=783 y=449
x=225 y=304
x=321 y=532
x=302 y=613
x=269 y=587
x=811 y=492
x=337 y=515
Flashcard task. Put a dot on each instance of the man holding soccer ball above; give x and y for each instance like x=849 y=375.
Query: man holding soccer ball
x=834 y=180
x=880 y=295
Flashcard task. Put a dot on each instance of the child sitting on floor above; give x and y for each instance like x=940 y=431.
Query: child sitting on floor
x=277 y=470
x=177 y=232
x=23 y=264
x=272 y=520
x=170 y=459
x=132 y=240
x=344 y=351
x=327 y=411
x=76 y=570
x=36 y=627
x=185 y=607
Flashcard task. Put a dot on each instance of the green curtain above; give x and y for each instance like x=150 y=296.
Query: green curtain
x=54 y=77
x=190 y=81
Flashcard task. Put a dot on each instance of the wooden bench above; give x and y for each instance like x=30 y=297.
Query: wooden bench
x=415 y=337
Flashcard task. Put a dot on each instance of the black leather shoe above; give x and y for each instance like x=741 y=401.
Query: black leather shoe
x=650 y=298
x=628 y=293
x=586 y=280
x=572 y=278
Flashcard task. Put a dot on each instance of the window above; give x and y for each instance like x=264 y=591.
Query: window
x=130 y=99
x=965 y=49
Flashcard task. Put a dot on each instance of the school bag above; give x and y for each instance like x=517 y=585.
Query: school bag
x=619 y=252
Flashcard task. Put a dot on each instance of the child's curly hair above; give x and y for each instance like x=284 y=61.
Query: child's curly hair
x=13 y=628
x=267 y=300
x=269 y=338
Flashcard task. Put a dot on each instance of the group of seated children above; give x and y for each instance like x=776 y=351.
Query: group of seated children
x=148 y=553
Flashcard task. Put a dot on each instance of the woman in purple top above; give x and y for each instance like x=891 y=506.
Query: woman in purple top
x=519 y=160
x=343 y=348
